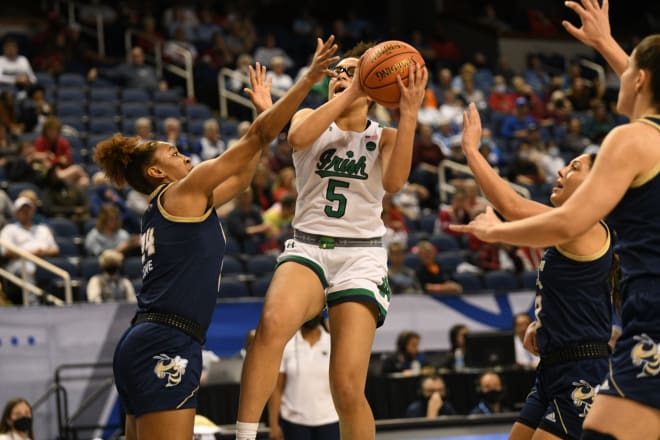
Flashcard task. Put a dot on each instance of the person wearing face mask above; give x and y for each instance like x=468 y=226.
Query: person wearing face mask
x=301 y=405
x=432 y=401
x=16 y=421
x=110 y=285
x=490 y=394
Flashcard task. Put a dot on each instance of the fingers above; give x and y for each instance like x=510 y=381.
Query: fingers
x=575 y=32
x=606 y=7
x=577 y=8
x=468 y=229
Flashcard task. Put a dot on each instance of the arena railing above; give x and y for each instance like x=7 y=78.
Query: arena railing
x=185 y=72
x=156 y=58
x=225 y=94
x=26 y=286
x=447 y=188
x=98 y=33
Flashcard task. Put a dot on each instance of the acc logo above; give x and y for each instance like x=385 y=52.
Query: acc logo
x=645 y=353
x=583 y=396
x=172 y=369
x=371 y=146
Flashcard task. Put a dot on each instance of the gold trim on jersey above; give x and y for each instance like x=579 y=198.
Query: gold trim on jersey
x=650 y=174
x=176 y=218
x=587 y=258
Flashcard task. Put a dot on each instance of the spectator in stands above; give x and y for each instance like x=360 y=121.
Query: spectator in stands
x=535 y=75
x=38 y=218
x=265 y=54
x=210 y=145
x=580 y=94
x=16 y=421
x=430 y=274
x=492 y=21
x=575 y=141
x=402 y=278
x=452 y=108
x=516 y=125
x=599 y=122
x=262 y=187
x=500 y=99
x=36 y=239
x=180 y=16
x=530 y=257
x=149 y=37
x=285 y=183
x=33 y=111
x=471 y=94
x=281 y=80
x=524 y=170
x=495 y=256
x=457 y=333
x=524 y=358
x=136 y=74
x=551 y=162
x=491 y=394
x=407 y=359
x=15 y=69
x=174 y=135
x=110 y=285
x=174 y=48
x=429 y=114
x=474 y=202
x=281 y=157
x=408 y=201
x=279 y=218
x=143 y=128
x=427 y=155
x=109 y=234
x=59 y=153
x=304 y=373
x=245 y=223
x=456 y=213
x=217 y=55
x=432 y=399
x=443 y=83
x=6 y=209
x=62 y=199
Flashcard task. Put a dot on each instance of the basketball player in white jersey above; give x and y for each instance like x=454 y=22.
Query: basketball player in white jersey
x=344 y=165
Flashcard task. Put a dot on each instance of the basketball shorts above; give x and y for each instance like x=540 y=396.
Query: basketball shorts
x=347 y=273
x=562 y=396
x=635 y=366
x=156 y=368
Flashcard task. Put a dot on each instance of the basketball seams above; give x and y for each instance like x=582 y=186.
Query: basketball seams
x=381 y=62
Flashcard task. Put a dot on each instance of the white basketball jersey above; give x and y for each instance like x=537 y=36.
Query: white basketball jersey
x=340 y=184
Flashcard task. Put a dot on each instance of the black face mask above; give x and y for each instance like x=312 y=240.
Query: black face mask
x=492 y=396
x=313 y=323
x=23 y=424
x=112 y=269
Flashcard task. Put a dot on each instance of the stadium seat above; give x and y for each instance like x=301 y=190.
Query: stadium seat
x=89 y=266
x=528 y=279
x=228 y=129
x=196 y=127
x=103 y=94
x=233 y=247
x=231 y=266
x=72 y=80
x=68 y=248
x=63 y=227
x=14 y=188
x=172 y=96
x=471 y=282
x=427 y=223
x=500 y=281
x=75 y=95
x=412 y=261
x=70 y=110
x=94 y=139
x=135 y=110
x=166 y=110
x=260 y=285
x=198 y=111
x=75 y=121
x=448 y=261
x=261 y=264
x=231 y=287
x=99 y=109
x=135 y=95
x=105 y=126
x=132 y=267
x=45 y=79
x=443 y=242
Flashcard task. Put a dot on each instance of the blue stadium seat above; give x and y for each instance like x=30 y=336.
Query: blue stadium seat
x=427 y=223
x=471 y=282
x=501 y=281
x=166 y=110
x=261 y=264
x=443 y=242
x=68 y=248
x=231 y=265
x=135 y=95
x=231 y=287
x=75 y=121
x=13 y=188
x=135 y=110
x=171 y=95
x=528 y=279
x=94 y=139
x=260 y=285
x=412 y=261
x=72 y=80
x=228 y=129
x=103 y=94
x=196 y=127
x=63 y=227
x=233 y=247
x=76 y=95
x=99 y=109
x=45 y=79
x=48 y=280
x=132 y=267
x=198 y=111
x=89 y=266
x=105 y=126
x=448 y=261
x=70 y=109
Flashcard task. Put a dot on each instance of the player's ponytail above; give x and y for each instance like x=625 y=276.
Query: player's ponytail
x=124 y=160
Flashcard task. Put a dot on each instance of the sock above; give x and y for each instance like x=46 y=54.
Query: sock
x=246 y=431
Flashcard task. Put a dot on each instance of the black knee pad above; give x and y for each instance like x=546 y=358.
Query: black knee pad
x=588 y=434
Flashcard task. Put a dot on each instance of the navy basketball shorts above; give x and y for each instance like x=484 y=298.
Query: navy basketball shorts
x=635 y=369
x=157 y=368
x=562 y=396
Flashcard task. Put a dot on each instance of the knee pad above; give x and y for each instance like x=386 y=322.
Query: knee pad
x=588 y=434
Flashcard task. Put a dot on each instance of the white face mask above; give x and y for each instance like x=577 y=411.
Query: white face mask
x=553 y=151
x=500 y=88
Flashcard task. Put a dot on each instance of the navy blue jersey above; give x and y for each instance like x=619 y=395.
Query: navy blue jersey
x=181 y=262
x=636 y=219
x=573 y=302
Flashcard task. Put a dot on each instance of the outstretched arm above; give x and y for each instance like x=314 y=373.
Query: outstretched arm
x=497 y=190
x=204 y=178
x=595 y=32
x=396 y=146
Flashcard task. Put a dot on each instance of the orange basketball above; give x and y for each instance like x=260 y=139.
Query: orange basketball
x=380 y=66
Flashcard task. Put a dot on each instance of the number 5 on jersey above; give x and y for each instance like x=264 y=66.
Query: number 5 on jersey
x=331 y=194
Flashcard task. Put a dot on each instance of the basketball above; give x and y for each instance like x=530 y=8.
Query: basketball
x=380 y=66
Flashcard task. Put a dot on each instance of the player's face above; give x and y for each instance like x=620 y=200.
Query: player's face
x=345 y=73
x=569 y=179
x=174 y=164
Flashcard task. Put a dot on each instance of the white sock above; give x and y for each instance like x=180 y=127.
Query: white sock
x=246 y=431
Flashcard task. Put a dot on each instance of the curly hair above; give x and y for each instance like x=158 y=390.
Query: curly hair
x=125 y=159
x=358 y=50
